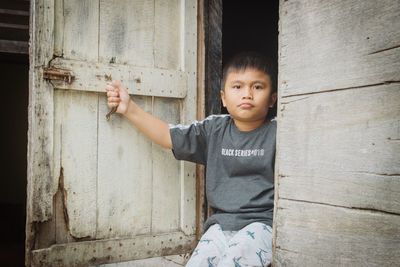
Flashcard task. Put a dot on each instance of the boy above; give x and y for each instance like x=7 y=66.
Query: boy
x=238 y=150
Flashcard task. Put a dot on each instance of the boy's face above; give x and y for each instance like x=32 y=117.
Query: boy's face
x=247 y=95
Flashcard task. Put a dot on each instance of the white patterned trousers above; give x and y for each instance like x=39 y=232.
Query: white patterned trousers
x=250 y=246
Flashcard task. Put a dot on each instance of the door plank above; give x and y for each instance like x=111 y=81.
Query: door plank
x=340 y=236
x=124 y=176
x=345 y=148
x=335 y=45
x=81 y=24
x=140 y=81
x=166 y=174
x=168 y=33
x=113 y=250
x=126 y=32
x=78 y=113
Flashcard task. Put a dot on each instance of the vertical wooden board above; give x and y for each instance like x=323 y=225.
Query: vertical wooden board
x=81 y=28
x=329 y=45
x=168 y=34
x=58 y=27
x=41 y=45
x=124 y=176
x=78 y=115
x=188 y=176
x=127 y=32
x=321 y=235
x=166 y=174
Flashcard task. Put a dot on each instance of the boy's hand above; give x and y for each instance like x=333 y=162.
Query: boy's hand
x=117 y=96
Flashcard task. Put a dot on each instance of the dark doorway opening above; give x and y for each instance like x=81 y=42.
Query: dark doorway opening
x=14 y=68
x=250 y=26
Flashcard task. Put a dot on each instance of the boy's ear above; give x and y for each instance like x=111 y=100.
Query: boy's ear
x=273 y=98
x=223 y=98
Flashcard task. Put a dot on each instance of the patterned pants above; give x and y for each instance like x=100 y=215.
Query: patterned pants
x=251 y=246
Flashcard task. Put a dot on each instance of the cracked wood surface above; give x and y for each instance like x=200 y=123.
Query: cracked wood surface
x=338 y=165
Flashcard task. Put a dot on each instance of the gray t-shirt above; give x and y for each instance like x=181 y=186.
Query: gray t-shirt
x=239 y=168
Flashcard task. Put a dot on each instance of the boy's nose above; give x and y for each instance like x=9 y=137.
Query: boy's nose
x=247 y=93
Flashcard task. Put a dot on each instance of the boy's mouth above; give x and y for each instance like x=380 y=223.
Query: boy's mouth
x=245 y=105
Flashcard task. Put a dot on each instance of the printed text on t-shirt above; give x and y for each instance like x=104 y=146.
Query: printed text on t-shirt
x=242 y=152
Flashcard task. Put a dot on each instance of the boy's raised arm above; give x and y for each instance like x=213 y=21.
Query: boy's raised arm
x=154 y=128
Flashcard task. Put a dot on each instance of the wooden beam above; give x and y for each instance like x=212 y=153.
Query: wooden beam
x=16 y=47
x=213 y=55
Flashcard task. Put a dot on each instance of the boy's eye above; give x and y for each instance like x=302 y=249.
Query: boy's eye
x=236 y=86
x=258 y=86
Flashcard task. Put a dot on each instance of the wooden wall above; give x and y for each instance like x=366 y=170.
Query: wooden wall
x=338 y=162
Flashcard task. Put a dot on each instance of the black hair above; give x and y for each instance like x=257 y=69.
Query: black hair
x=250 y=60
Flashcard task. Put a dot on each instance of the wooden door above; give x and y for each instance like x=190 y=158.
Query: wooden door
x=99 y=191
x=338 y=163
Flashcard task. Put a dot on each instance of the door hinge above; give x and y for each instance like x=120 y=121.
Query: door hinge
x=53 y=73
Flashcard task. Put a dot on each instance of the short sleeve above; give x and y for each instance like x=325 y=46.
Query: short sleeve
x=190 y=142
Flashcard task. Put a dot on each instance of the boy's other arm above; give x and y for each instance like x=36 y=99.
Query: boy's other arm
x=151 y=126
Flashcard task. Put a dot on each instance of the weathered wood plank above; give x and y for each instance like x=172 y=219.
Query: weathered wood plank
x=140 y=81
x=168 y=34
x=329 y=45
x=342 y=148
x=168 y=261
x=213 y=55
x=340 y=236
x=81 y=29
x=166 y=174
x=17 y=47
x=41 y=32
x=188 y=115
x=112 y=250
x=126 y=32
x=78 y=113
x=40 y=186
x=124 y=176
x=201 y=201
x=58 y=27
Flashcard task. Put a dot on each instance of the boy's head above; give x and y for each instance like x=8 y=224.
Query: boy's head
x=250 y=60
x=249 y=89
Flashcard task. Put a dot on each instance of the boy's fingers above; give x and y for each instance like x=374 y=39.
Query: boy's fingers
x=114 y=99
x=116 y=83
x=112 y=105
x=109 y=87
x=112 y=93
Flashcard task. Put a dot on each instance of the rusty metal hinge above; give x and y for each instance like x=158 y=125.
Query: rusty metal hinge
x=53 y=73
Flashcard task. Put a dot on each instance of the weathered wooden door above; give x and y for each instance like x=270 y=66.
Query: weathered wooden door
x=338 y=172
x=98 y=191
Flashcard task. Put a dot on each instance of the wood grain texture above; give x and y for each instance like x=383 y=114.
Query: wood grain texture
x=58 y=27
x=139 y=81
x=98 y=252
x=124 y=176
x=127 y=32
x=167 y=261
x=188 y=115
x=166 y=173
x=334 y=45
x=168 y=39
x=342 y=148
x=77 y=114
x=337 y=170
x=339 y=236
x=80 y=20
x=213 y=57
